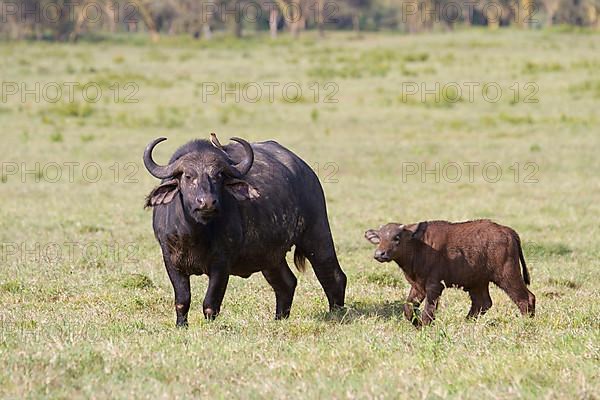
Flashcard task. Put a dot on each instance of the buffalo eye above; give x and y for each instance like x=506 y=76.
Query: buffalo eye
x=187 y=177
x=397 y=238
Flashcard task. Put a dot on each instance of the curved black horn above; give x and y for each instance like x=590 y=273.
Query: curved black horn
x=156 y=170
x=240 y=169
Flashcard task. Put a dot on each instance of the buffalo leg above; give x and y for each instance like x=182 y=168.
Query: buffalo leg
x=331 y=277
x=480 y=301
x=317 y=245
x=181 y=287
x=283 y=282
x=433 y=292
x=413 y=300
x=217 y=284
x=515 y=288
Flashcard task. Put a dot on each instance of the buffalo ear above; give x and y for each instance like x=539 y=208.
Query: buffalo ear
x=241 y=190
x=372 y=236
x=418 y=231
x=162 y=194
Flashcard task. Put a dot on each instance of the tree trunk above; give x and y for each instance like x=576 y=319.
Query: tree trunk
x=238 y=27
x=295 y=19
x=147 y=20
x=39 y=34
x=356 y=23
x=15 y=32
x=549 y=17
x=320 y=19
x=592 y=14
x=78 y=24
x=110 y=15
x=493 y=17
x=429 y=18
x=493 y=24
x=239 y=20
x=467 y=15
x=273 y=17
x=205 y=21
x=206 y=32
x=412 y=22
x=302 y=21
x=525 y=13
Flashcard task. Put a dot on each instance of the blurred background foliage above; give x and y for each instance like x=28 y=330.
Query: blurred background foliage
x=68 y=20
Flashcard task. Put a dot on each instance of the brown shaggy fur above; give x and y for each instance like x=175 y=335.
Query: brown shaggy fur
x=437 y=254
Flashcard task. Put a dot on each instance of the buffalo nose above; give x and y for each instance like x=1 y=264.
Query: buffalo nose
x=381 y=255
x=207 y=203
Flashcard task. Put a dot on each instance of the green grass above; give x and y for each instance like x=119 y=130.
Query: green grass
x=87 y=308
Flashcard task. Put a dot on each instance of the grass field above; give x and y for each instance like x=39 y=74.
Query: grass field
x=87 y=308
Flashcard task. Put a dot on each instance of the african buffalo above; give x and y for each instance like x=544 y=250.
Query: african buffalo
x=236 y=210
x=438 y=254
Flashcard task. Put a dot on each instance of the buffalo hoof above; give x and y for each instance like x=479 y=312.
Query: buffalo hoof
x=181 y=324
x=337 y=309
x=210 y=314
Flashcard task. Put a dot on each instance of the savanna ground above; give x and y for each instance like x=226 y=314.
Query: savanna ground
x=78 y=322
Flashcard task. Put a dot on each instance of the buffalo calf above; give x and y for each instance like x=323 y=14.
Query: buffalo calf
x=437 y=254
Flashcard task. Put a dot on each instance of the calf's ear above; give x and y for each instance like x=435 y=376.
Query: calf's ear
x=372 y=236
x=163 y=193
x=241 y=189
x=418 y=231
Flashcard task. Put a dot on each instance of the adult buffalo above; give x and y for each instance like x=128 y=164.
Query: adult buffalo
x=236 y=210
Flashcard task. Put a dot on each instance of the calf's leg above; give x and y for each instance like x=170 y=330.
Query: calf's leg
x=480 y=301
x=413 y=300
x=515 y=288
x=433 y=292
x=283 y=282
